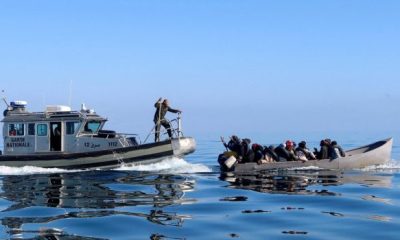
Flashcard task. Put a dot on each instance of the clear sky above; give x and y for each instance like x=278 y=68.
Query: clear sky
x=231 y=66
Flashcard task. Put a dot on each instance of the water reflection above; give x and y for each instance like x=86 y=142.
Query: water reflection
x=299 y=182
x=49 y=234
x=94 y=194
x=94 y=190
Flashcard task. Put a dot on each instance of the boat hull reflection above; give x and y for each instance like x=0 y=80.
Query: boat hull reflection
x=299 y=182
x=92 y=195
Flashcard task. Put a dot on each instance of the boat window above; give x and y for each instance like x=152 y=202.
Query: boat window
x=31 y=129
x=16 y=129
x=42 y=129
x=72 y=127
x=92 y=127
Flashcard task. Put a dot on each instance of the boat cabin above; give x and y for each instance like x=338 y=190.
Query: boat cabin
x=57 y=130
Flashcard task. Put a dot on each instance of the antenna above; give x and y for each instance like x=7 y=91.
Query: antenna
x=4 y=98
x=70 y=93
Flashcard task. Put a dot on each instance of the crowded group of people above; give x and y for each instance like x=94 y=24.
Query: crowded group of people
x=244 y=151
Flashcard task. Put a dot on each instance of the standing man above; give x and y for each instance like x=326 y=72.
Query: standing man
x=159 y=117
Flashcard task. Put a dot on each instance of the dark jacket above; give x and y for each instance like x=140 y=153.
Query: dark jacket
x=271 y=152
x=234 y=146
x=164 y=110
x=246 y=152
x=323 y=152
x=284 y=154
x=336 y=151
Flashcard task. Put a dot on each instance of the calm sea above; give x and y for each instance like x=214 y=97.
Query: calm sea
x=190 y=199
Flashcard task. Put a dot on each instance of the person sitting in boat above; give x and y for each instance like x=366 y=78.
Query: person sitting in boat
x=233 y=148
x=233 y=144
x=290 y=146
x=246 y=154
x=258 y=153
x=280 y=150
x=302 y=152
x=269 y=154
x=240 y=149
x=336 y=151
x=159 y=117
x=285 y=152
x=323 y=153
x=229 y=159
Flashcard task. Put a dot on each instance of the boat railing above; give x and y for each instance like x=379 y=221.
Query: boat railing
x=176 y=128
x=125 y=139
x=129 y=139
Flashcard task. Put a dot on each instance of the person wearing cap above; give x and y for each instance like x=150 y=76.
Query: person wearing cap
x=159 y=117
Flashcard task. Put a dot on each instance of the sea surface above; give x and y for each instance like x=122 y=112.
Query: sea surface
x=191 y=199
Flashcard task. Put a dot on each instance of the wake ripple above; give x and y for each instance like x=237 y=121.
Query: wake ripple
x=391 y=165
x=28 y=170
x=168 y=165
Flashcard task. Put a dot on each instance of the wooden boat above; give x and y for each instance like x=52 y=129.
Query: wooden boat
x=372 y=154
x=62 y=138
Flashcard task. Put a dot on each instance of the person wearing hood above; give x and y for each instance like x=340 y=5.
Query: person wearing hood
x=246 y=154
x=285 y=152
x=323 y=153
x=336 y=151
x=233 y=144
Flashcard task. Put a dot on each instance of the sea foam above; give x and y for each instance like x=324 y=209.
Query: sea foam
x=391 y=165
x=28 y=170
x=168 y=165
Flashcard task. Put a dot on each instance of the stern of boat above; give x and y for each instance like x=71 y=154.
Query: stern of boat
x=183 y=146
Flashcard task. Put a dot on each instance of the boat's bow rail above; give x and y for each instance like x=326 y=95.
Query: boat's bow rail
x=176 y=128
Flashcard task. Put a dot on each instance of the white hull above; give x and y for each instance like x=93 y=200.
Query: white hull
x=141 y=154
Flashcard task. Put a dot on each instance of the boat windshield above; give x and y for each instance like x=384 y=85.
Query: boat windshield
x=92 y=127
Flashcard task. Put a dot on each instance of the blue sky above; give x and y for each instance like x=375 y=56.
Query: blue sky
x=245 y=67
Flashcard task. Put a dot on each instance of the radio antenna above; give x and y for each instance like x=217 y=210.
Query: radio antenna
x=4 y=98
x=70 y=93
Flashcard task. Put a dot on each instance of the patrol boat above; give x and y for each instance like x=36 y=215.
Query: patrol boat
x=62 y=138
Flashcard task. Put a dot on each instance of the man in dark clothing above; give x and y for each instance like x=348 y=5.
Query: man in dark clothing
x=336 y=151
x=159 y=117
x=324 y=150
x=270 y=152
x=234 y=144
x=285 y=152
x=246 y=154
